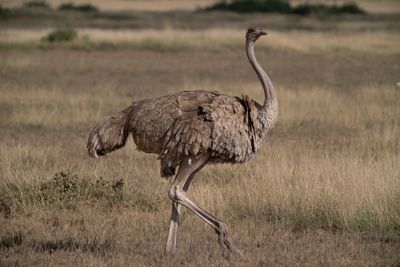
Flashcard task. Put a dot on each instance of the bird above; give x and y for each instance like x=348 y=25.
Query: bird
x=189 y=130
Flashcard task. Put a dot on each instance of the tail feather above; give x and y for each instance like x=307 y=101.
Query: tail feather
x=109 y=135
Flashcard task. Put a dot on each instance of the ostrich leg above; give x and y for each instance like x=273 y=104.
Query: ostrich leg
x=177 y=194
x=176 y=209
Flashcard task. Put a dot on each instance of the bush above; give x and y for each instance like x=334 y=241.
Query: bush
x=351 y=8
x=80 y=8
x=61 y=35
x=248 y=6
x=37 y=4
x=320 y=9
x=5 y=13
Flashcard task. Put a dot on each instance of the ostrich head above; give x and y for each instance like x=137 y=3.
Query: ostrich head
x=253 y=34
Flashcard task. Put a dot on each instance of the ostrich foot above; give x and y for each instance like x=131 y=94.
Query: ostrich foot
x=225 y=241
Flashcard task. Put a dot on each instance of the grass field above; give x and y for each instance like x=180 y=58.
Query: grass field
x=323 y=190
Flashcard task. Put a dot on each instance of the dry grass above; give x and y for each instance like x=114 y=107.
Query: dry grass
x=173 y=39
x=323 y=190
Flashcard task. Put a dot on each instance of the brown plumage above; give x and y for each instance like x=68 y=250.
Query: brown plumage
x=189 y=130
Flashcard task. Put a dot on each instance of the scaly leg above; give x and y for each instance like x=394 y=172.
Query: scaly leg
x=177 y=194
x=196 y=164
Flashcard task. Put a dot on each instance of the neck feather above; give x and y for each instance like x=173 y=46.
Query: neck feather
x=269 y=91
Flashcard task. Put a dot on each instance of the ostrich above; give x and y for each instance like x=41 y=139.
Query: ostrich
x=189 y=130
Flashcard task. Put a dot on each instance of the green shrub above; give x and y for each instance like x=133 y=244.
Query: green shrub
x=248 y=6
x=61 y=35
x=306 y=9
x=37 y=4
x=80 y=8
x=320 y=9
x=351 y=8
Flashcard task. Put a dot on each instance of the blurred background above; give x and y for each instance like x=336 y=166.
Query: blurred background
x=323 y=190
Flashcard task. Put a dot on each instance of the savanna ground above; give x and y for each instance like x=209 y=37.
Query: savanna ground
x=323 y=190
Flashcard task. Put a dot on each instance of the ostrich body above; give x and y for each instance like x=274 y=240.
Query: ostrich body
x=189 y=130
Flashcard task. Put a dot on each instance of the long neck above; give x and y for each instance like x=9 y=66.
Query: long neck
x=266 y=83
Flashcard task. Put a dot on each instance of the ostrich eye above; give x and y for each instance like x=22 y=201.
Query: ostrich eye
x=251 y=30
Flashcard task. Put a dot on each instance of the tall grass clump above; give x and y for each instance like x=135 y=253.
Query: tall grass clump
x=61 y=35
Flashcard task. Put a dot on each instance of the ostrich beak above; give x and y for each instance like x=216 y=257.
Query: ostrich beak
x=263 y=33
